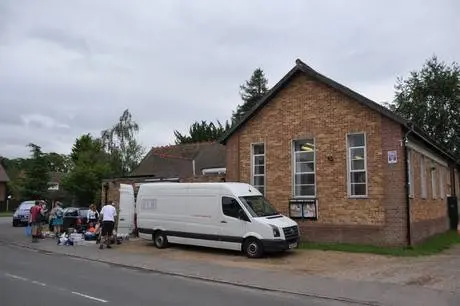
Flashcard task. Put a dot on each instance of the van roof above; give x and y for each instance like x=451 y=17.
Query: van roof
x=237 y=188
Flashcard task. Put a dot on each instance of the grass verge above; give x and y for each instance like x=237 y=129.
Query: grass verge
x=6 y=214
x=431 y=246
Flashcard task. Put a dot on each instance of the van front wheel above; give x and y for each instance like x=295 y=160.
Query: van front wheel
x=160 y=240
x=253 y=248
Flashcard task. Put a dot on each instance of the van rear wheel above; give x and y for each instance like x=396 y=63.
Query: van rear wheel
x=160 y=240
x=253 y=248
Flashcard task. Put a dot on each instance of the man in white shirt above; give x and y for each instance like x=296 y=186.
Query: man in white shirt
x=108 y=213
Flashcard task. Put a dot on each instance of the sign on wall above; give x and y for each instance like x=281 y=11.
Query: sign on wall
x=392 y=157
x=303 y=209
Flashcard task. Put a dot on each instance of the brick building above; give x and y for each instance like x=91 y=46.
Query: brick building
x=346 y=167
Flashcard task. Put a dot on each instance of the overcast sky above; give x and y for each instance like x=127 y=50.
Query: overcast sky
x=72 y=67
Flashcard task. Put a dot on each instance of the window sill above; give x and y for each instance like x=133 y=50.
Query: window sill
x=358 y=197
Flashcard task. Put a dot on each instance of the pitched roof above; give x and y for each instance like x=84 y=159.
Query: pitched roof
x=3 y=176
x=177 y=160
x=301 y=67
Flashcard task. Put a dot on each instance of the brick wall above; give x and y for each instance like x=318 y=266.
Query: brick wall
x=232 y=156
x=428 y=215
x=204 y=179
x=306 y=108
x=394 y=185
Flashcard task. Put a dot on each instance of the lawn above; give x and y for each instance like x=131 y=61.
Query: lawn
x=433 y=245
x=6 y=214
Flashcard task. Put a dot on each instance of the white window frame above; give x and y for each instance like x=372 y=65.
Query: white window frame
x=349 y=171
x=423 y=187
x=294 y=168
x=253 y=165
x=410 y=173
x=433 y=171
x=441 y=182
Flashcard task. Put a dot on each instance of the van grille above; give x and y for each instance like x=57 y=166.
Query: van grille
x=291 y=232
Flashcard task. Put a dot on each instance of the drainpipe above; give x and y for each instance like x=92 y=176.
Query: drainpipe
x=408 y=215
x=193 y=166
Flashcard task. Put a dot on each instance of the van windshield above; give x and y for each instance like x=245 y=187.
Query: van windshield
x=258 y=206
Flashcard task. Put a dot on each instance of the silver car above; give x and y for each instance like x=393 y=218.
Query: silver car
x=21 y=215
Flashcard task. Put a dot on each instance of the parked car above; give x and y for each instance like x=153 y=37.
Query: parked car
x=21 y=214
x=75 y=217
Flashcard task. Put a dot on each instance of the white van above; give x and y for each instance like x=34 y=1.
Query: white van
x=232 y=216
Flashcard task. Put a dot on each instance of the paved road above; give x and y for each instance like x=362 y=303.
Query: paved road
x=5 y=220
x=29 y=277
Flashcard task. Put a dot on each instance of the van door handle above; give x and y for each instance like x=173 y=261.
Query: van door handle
x=223 y=221
x=122 y=219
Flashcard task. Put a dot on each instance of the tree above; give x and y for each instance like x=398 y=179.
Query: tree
x=120 y=142
x=90 y=166
x=35 y=183
x=58 y=162
x=202 y=131
x=430 y=98
x=251 y=92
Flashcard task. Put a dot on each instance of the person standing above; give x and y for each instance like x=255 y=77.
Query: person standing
x=92 y=216
x=108 y=213
x=35 y=220
x=58 y=219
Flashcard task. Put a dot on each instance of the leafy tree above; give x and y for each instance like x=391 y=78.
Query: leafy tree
x=35 y=182
x=120 y=143
x=251 y=92
x=90 y=166
x=202 y=131
x=430 y=98
x=58 y=162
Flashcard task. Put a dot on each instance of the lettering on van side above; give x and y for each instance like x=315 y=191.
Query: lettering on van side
x=149 y=204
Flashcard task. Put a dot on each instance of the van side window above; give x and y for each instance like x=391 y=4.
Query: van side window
x=230 y=207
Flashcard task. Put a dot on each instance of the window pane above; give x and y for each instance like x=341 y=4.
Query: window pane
x=357 y=154
x=258 y=149
x=305 y=179
x=261 y=189
x=356 y=140
x=304 y=156
x=230 y=207
x=358 y=189
x=357 y=164
x=259 y=180
x=259 y=160
x=307 y=145
x=358 y=177
x=304 y=190
x=259 y=170
x=304 y=167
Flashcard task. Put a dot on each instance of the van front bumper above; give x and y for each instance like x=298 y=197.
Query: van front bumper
x=279 y=245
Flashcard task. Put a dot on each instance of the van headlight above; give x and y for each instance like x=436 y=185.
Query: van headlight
x=276 y=231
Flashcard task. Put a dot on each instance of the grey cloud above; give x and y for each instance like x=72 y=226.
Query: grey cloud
x=61 y=38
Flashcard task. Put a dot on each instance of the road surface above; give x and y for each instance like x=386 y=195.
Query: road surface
x=30 y=277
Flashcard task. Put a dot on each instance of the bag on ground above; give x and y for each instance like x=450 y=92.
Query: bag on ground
x=28 y=230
